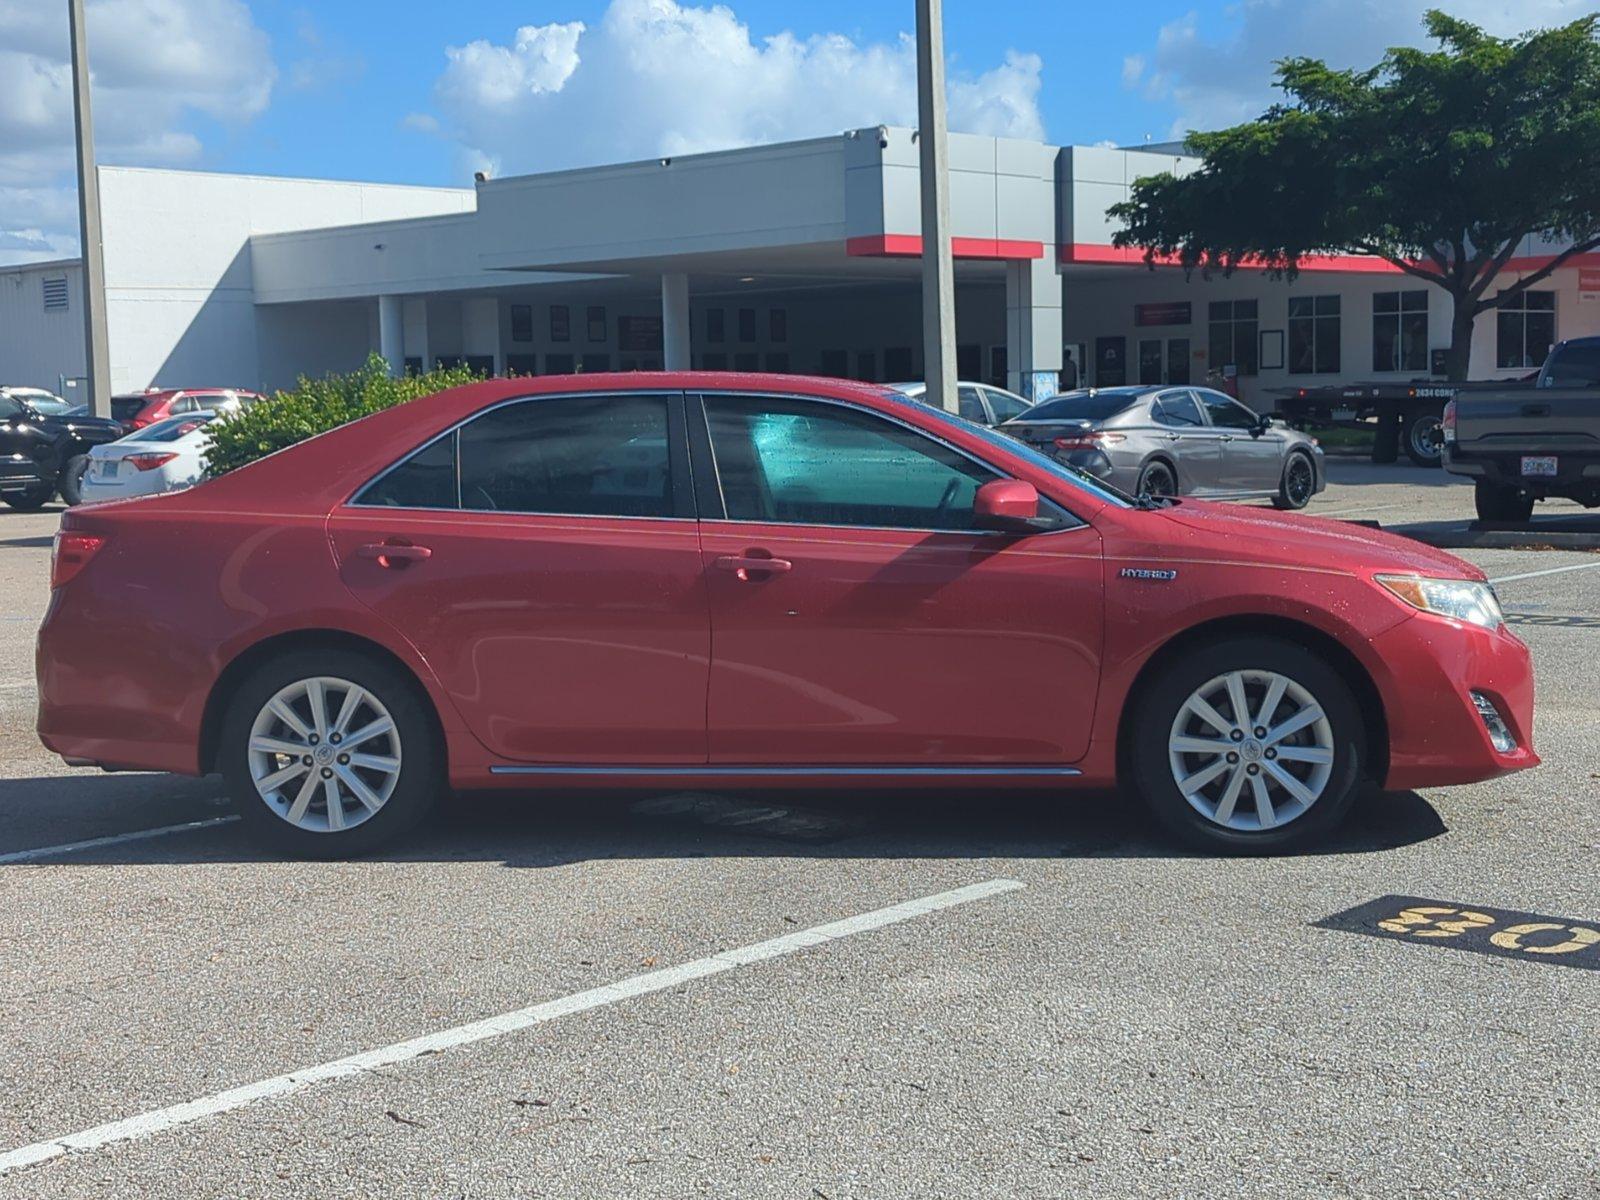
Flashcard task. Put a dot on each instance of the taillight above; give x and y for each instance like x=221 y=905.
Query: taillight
x=1448 y=423
x=149 y=462
x=71 y=554
x=1089 y=441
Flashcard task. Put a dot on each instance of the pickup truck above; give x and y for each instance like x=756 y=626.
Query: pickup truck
x=42 y=453
x=1522 y=444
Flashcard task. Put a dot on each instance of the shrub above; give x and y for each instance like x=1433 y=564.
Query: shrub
x=316 y=406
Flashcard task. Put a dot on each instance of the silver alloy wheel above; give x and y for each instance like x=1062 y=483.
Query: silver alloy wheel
x=1427 y=437
x=1298 y=480
x=1251 y=750
x=324 y=754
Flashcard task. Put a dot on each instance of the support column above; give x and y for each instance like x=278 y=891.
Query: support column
x=1033 y=327
x=480 y=331
x=416 y=331
x=675 y=321
x=392 y=334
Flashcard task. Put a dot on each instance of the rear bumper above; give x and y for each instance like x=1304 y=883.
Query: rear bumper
x=1429 y=669
x=1576 y=472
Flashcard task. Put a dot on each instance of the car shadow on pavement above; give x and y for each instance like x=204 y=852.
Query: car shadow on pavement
x=42 y=542
x=532 y=830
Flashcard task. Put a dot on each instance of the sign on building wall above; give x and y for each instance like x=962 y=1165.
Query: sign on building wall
x=1173 y=312
x=639 y=335
x=1589 y=283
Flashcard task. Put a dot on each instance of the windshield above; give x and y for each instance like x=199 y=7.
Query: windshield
x=1081 y=406
x=1002 y=441
x=172 y=428
x=1576 y=364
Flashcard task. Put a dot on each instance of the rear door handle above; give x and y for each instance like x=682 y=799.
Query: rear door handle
x=744 y=566
x=394 y=554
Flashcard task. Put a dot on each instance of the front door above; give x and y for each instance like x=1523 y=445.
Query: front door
x=1252 y=460
x=545 y=561
x=858 y=618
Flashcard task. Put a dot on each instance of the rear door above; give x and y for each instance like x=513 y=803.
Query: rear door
x=1181 y=431
x=545 y=560
x=859 y=618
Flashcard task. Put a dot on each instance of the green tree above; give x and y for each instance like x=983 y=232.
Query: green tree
x=316 y=406
x=1441 y=162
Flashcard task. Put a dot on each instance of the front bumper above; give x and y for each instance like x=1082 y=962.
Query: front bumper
x=1428 y=667
x=19 y=473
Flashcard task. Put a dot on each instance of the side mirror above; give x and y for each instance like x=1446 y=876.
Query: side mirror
x=1011 y=506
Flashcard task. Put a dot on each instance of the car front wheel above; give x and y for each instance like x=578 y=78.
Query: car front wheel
x=1298 y=483
x=1251 y=745
x=330 y=754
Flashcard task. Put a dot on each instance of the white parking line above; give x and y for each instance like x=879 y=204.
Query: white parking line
x=1346 y=512
x=1588 y=566
x=115 y=839
x=161 y=1119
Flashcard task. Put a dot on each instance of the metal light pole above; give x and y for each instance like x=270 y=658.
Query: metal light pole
x=938 y=270
x=98 y=356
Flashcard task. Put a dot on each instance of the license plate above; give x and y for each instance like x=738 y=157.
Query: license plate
x=108 y=468
x=1544 y=464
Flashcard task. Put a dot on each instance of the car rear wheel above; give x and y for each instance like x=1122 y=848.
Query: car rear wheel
x=1249 y=746
x=1298 y=484
x=330 y=754
x=1157 y=479
x=31 y=500
x=1497 y=502
x=70 y=484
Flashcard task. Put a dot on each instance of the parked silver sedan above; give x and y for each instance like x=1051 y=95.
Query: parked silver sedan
x=1175 y=441
x=978 y=401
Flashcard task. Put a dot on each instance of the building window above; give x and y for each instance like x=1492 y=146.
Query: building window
x=1400 y=331
x=1526 y=329
x=55 y=295
x=1313 y=335
x=716 y=325
x=714 y=362
x=778 y=326
x=897 y=363
x=597 y=323
x=1234 y=324
x=834 y=363
x=522 y=322
x=560 y=325
x=747 y=324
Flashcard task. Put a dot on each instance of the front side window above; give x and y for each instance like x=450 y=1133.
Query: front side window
x=1525 y=329
x=1226 y=412
x=808 y=463
x=10 y=409
x=601 y=456
x=1233 y=329
x=1400 y=330
x=1314 y=335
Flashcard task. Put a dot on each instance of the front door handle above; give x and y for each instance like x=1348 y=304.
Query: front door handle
x=746 y=566
x=394 y=554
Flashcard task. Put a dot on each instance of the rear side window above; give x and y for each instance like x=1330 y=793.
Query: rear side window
x=603 y=456
x=126 y=408
x=1573 y=365
x=971 y=404
x=1178 y=409
x=425 y=480
x=1005 y=405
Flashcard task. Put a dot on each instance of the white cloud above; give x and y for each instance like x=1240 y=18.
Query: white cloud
x=1220 y=77
x=154 y=62
x=663 y=77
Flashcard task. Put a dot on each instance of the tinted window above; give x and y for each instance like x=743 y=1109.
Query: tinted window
x=1082 y=406
x=425 y=480
x=823 y=464
x=1177 y=408
x=9 y=408
x=1576 y=364
x=970 y=404
x=1005 y=405
x=1227 y=412
x=603 y=456
x=125 y=408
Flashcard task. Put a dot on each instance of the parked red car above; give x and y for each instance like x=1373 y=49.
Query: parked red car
x=138 y=409
x=709 y=579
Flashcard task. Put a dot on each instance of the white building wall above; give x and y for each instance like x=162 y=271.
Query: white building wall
x=40 y=348
x=179 y=284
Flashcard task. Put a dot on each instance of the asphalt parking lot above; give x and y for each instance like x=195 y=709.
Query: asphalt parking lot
x=1076 y=1008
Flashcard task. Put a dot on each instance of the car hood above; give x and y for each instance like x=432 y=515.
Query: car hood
x=1297 y=539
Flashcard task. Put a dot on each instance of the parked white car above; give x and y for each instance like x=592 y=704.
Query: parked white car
x=158 y=458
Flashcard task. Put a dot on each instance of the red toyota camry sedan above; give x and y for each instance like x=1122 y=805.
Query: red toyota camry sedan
x=693 y=580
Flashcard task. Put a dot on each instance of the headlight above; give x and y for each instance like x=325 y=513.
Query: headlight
x=1458 y=599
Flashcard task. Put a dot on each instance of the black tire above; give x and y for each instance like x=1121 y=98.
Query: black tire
x=1160 y=703
x=31 y=500
x=1422 y=436
x=1298 y=484
x=1157 y=479
x=1502 y=502
x=422 y=777
x=70 y=485
x=1386 y=443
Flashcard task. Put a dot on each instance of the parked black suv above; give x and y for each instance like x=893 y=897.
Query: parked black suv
x=41 y=455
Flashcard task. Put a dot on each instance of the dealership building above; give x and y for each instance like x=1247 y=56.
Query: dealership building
x=799 y=257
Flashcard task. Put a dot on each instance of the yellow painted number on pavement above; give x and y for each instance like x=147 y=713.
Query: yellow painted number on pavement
x=1511 y=938
x=1426 y=921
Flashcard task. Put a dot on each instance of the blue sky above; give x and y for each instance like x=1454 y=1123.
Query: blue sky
x=424 y=91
